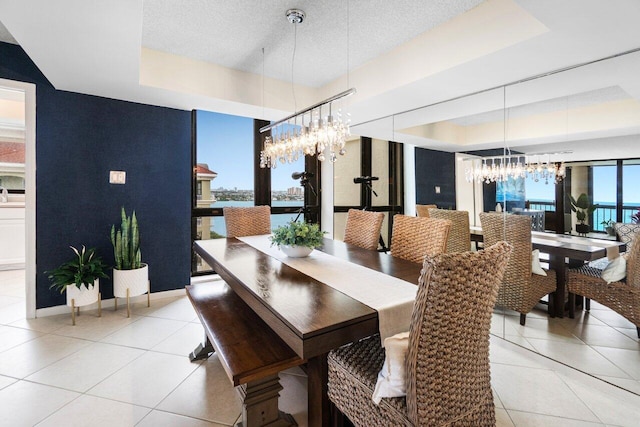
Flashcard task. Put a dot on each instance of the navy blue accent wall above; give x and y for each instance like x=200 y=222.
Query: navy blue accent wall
x=79 y=139
x=435 y=168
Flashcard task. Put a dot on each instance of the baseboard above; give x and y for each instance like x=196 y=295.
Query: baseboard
x=106 y=303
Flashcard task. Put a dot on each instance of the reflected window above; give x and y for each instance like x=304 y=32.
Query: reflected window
x=604 y=195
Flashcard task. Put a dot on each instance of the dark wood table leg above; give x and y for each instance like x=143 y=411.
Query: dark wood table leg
x=260 y=404
x=318 y=404
x=557 y=308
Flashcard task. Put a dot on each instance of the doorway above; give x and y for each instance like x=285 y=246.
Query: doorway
x=24 y=127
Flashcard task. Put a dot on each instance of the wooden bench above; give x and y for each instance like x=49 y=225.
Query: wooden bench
x=249 y=351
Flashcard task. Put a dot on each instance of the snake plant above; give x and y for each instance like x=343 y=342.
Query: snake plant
x=126 y=242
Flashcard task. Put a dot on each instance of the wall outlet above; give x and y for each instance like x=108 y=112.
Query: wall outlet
x=117 y=177
x=437 y=189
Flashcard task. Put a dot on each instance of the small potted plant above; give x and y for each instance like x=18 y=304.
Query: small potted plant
x=608 y=227
x=130 y=274
x=80 y=277
x=582 y=208
x=297 y=239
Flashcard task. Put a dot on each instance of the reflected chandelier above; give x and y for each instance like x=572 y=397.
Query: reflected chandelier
x=325 y=136
x=501 y=168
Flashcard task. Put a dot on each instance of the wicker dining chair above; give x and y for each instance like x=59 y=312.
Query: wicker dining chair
x=423 y=210
x=447 y=373
x=363 y=228
x=623 y=296
x=249 y=221
x=459 y=239
x=413 y=238
x=521 y=290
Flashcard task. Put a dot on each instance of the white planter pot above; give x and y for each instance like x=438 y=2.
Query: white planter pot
x=137 y=281
x=296 y=251
x=83 y=296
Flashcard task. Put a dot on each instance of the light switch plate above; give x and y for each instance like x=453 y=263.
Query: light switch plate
x=437 y=189
x=117 y=177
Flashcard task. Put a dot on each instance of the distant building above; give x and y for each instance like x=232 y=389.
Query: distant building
x=204 y=198
x=295 y=191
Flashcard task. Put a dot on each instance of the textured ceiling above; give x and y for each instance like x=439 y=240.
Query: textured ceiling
x=203 y=29
x=406 y=59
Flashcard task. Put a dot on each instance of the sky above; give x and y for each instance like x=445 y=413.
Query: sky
x=225 y=144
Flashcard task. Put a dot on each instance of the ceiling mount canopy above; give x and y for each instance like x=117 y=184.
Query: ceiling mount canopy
x=295 y=16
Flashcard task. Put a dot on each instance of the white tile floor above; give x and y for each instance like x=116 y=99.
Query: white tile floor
x=115 y=371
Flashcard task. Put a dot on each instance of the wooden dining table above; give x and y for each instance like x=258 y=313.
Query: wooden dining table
x=309 y=316
x=564 y=249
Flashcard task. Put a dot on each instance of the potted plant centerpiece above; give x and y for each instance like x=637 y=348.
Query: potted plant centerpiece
x=582 y=208
x=80 y=277
x=608 y=227
x=297 y=239
x=130 y=275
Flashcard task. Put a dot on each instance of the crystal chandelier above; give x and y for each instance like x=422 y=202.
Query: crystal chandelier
x=324 y=136
x=501 y=168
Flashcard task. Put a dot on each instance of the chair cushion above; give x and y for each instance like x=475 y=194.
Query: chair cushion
x=353 y=371
x=536 y=268
x=391 y=378
x=615 y=271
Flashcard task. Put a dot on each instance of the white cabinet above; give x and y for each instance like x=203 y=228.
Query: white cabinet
x=12 y=236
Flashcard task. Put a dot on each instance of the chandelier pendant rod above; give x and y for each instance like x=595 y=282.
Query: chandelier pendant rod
x=306 y=110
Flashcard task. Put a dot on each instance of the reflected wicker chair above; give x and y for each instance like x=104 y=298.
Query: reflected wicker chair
x=626 y=232
x=423 y=210
x=363 y=228
x=623 y=297
x=413 y=238
x=521 y=290
x=459 y=237
x=447 y=370
x=250 y=221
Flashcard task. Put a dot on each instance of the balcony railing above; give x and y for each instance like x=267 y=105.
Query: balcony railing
x=542 y=205
x=607 y=212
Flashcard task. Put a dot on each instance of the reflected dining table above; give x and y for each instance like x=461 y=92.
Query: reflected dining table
x=562 y=250
x=310 y=316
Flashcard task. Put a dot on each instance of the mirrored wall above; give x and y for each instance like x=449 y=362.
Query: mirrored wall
x=587 y=117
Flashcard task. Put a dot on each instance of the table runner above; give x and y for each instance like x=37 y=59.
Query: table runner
x=391 y=297
x=612 y=249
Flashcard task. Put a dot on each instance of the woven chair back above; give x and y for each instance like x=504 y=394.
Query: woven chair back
x=413 y=238
x=459 y=239
x=423 y=210
x=249 y=221
x=515 y=229
x=363 y=228
x=447 y=363
x=633 y=266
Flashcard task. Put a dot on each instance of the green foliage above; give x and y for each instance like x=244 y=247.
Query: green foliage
x=298 y=234
x=126 y=242
x=582 y=207
x=85 y=268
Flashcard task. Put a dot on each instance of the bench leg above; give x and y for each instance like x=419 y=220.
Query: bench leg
x=202 y=351
x=260 y=404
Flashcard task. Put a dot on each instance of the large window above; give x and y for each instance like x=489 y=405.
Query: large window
x=226 y=169
x=630 y=189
